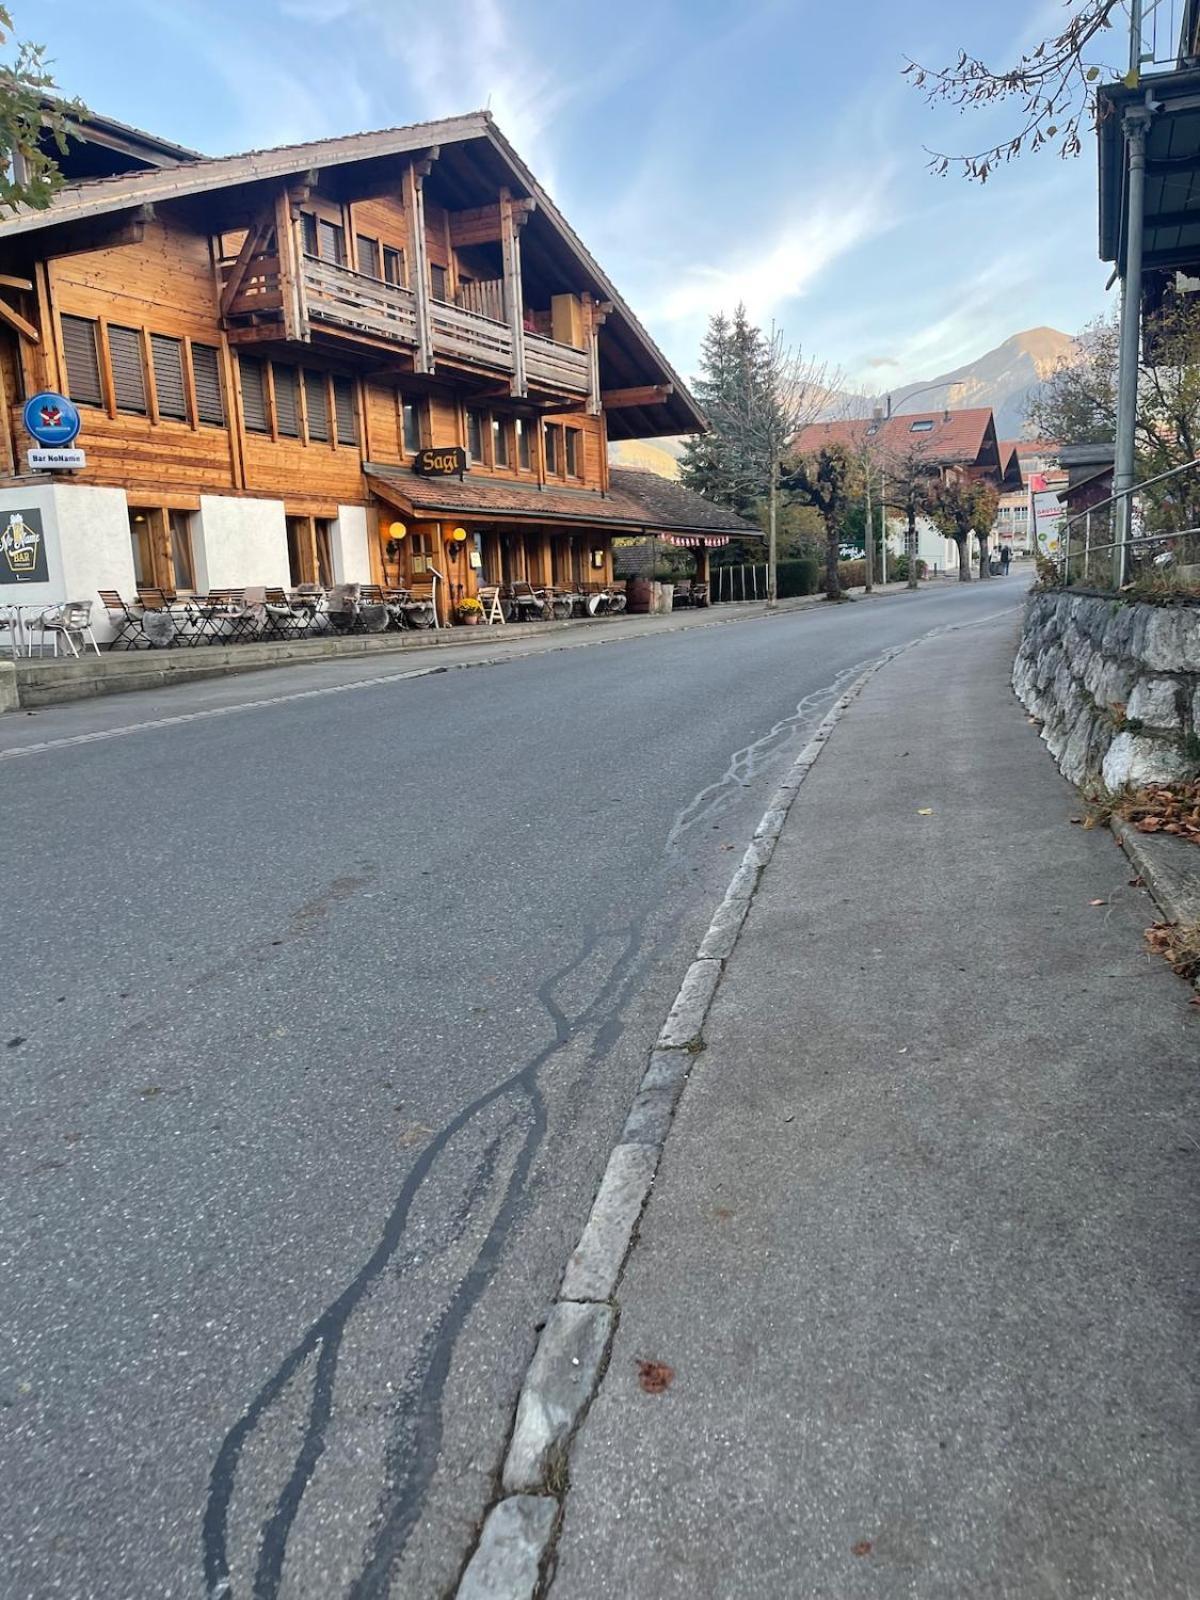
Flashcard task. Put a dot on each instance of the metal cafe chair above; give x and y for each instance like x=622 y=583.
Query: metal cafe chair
x=69 y=621
x=125 y=619
x=10 y=619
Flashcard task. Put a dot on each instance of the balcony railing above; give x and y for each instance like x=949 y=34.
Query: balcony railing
x=355 y=300
x=343 y=298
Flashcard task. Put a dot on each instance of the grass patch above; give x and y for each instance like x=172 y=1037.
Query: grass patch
x=1179 y=945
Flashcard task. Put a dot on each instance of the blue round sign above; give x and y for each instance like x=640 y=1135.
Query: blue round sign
x=51 y=419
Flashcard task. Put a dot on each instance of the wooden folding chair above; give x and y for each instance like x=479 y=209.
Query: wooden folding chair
x=489 y=599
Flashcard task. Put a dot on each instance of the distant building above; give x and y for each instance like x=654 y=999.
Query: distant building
x=946 y=443
x=1024 y=458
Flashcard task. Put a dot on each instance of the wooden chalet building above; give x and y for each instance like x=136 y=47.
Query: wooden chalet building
x=264 y=349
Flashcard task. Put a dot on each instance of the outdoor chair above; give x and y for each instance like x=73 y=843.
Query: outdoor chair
x=373 y=613
x=683 y=595
x=10 y=619
x=343 y=607
x=530 y=604
x=69 y=621
x=699 y=594
x=124 y=619
x=489 y=599
x=281 y=619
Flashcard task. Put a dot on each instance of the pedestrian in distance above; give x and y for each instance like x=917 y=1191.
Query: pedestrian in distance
x=1005 y=558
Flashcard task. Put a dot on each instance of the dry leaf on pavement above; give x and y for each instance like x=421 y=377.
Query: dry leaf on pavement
x=655 y=1377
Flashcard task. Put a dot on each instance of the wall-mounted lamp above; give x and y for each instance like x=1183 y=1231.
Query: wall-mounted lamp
x=397 y=533
x=455 y=542
x=597 y=559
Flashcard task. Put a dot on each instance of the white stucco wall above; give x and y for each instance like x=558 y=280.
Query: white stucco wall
x=87 y=546
x=240 y=543
x=351 y=557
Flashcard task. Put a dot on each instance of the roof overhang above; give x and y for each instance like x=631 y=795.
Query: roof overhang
x=474 y=158
x=1172 y=212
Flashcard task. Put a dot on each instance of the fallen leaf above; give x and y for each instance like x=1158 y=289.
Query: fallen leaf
x=925 y=811
x=1195 y=1000
x=655 y=1377
x=1097 y=902
x=862 y=1548
x=1137 y=883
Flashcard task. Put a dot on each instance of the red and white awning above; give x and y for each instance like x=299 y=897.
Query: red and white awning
x=706 y=541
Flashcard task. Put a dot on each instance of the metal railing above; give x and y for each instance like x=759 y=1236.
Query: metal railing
x=1092 y=557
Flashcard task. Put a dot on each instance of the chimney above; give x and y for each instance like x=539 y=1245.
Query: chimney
x=877 y=414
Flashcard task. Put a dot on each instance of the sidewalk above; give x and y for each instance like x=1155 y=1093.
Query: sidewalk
x=921 y=1249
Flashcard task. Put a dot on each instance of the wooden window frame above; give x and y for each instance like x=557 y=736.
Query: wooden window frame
x=97 y=345
x=405 y=403
x=140 y=340
x=159 y=546
x=499 y=430
x=485 y=432
x=572 y=447
x=524 y=443
x=552 y=435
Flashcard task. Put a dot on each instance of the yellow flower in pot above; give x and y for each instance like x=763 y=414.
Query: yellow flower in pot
x=469 y=611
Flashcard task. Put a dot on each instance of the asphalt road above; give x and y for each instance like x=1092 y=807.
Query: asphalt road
x=319 y=1020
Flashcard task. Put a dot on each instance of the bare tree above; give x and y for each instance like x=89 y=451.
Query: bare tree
x=775 y=392
x=828 y=479
x=959 y=507
x=912 y=480
x=1053 y=86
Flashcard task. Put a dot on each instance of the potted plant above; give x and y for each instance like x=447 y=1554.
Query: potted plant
x=469 y=611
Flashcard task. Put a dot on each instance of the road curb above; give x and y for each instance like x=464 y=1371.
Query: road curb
x=572 y=1353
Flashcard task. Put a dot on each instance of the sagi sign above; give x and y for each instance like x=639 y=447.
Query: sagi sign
x=23 y=547
x=54 y=422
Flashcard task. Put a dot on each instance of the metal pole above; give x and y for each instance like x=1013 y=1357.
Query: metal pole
x=772 y=572
x=883 y=525
x=1136 y=122
x=1087 y=543
x=869 y=541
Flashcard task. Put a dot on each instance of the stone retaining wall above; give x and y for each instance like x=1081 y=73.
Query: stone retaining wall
x=1116 y=685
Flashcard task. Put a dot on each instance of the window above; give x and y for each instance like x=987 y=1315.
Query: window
x=411 y=425
x=924 y=426
x=345 y=414
x=167 y=356
x=499 y=442
x=522 y=443
x=316 y=401
x=421 y=552
x=393 y=266
x=299 y=534
x=368 y=255
x=308 y=231
x=129 y=377
x=83 y=360
x=206 y=374
x=254 y=394
x=475 y=435
x=331 y=242
x=553 y=451
x=183 y=567
x=437 y=282
x=572 y=440
x=287 y=402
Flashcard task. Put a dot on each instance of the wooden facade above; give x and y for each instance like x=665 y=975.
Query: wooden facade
x=269 y=329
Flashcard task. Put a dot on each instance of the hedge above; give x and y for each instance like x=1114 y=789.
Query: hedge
x=797 y=577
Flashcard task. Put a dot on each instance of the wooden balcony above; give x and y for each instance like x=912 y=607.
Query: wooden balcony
x=347 y=299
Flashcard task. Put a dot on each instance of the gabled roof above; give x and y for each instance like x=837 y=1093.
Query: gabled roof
x=637 y=502
x=945 y=438
x=491 y=158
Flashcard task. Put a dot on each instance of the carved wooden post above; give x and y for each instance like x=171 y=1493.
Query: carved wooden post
x=514 y=304
x=414 y=211
x=291 y=288
x=597 y=312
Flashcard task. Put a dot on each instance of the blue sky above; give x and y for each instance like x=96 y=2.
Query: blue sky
x=705 y=150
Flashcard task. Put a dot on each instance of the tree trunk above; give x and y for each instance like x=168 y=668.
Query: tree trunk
x=983 y=556
x=964 y=557
x=833 y=540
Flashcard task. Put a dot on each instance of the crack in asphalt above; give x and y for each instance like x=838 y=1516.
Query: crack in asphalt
x=410 y=1465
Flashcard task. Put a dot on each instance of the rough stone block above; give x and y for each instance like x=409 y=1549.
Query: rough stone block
x=558 y=1386
x=508 y=1558
x=1155 y=701
x=1136 y=759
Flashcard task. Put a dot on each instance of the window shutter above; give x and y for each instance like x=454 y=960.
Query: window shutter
x=344 y=411
x=393 y=265
x=317 y=402
x=308 y=225
x=168 y=376
x=368 y=256
x=83 y=364
x=254 y=394
x=129 y=378
x=206 y=372
x=332 y=241
x=287 y=402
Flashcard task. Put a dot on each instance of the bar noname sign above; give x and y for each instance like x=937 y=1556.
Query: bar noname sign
x=53 y=422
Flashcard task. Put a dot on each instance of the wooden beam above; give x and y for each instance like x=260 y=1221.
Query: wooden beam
x=250 y=246
x=514 y=305
x=295 y=324
x=102 y=233
x=650 y=394
x=414 y=215
x=17 y=321
x=485 y=224
x=25 y=284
